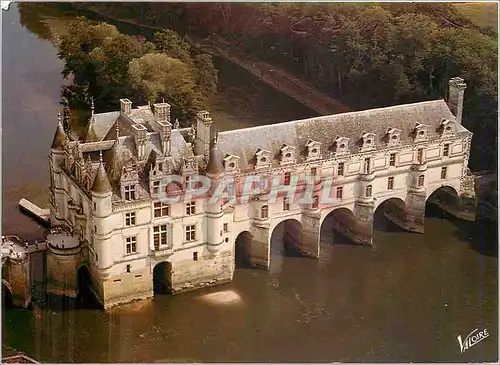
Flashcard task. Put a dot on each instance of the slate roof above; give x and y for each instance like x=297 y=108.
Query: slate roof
x=101 y=182
x=245 y=142
x=59 y=136
x=100 y=125
x=215 y=165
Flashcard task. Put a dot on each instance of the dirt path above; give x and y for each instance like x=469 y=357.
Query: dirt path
x=277 y=78
x=270 y=74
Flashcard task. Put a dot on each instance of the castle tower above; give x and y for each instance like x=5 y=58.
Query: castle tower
x=102 y=211
x=56 y=161
x=215 y=171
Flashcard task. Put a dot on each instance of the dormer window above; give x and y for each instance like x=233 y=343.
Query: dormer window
x=231 y=163
x=287 y=154
x=341 y=145
x=393 y=136
x=263 y=158
x=313 y=150
x=420 y=132
x=367 y=141
x=129 y=191
x=447 y=127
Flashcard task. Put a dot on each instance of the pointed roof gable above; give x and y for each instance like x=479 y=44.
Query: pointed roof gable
x=215 y=165
x=59 y=136
x=101 y=181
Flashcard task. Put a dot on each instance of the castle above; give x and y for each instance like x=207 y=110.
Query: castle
x=106 y=191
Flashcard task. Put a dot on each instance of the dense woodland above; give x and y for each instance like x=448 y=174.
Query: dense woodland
x=368 y=55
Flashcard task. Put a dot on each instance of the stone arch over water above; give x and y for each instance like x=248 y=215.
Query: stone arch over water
x=445 y=193
x=339 y=227
x=242 y=249
x=162 y=273
x=85 y=293
x=285 y=238
x=391 y=213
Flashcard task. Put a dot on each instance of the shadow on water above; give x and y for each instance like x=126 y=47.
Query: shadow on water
x=482 y=235
x=381 y=223
x=7 y=302
x=85 y=299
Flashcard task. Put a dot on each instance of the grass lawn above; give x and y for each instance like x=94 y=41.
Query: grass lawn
x=481 y=14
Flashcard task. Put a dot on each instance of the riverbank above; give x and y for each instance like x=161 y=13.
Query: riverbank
x=273 y=76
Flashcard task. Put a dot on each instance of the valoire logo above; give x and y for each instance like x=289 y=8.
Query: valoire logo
x=472 y=339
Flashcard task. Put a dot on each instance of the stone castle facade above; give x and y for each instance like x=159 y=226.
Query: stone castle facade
x=105 y=190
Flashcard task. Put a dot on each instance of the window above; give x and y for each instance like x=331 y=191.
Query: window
x=286 y=178
x=190 y=208
x=446 y=150
x=129 y=192
x=159 y=236
x=130 y=219
x=264 y=211
x=131 y=245
x=420 y=155
x=191 y=233
x=314 y=171
x=443 y=172
x=340 y=169
x=392 y=159
x=421 y=180
x=286 y=203
x=315 y=203
x=368 y=191
x=128 y=268
x=95 y=206
x=156 y=187
x=160 y=166
x=161 y=210
x=226 y=227
x=189 y=182
x=367 y=165
x=195 y=256
x=390 y=183
x=339 y=192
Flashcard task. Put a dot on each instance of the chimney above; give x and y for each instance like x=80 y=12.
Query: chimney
x=162 y=111
x=125 y=106
x=203 y=132
x=456 y=91
x=139 y=132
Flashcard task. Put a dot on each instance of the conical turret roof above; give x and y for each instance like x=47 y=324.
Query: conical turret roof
x=215 y=165
x=101 y=181
x=59 y=136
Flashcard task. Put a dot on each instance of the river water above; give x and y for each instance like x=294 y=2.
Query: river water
x=405 y=299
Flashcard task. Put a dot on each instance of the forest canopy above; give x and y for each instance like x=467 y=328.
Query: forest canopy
x=367 y=54
x=107 y=65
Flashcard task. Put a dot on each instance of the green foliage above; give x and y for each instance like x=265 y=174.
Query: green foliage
x=106 y=65
x=175 y=46
x=206 y=74
x=157 y=75
x=370 y=55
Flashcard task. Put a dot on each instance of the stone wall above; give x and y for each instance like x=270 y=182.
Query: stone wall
x=124 y=288
x=17 y=274
x=208 y=270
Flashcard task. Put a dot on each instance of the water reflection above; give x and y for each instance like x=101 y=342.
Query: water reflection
x=405 y=299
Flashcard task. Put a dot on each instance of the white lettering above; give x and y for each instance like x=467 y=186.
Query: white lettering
x=472 y=339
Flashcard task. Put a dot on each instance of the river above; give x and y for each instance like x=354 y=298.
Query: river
x=405 y=299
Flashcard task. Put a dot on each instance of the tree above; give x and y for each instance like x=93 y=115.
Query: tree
x=157 y=76
x=206 y=74
x=169 y=42
x=97 y=56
